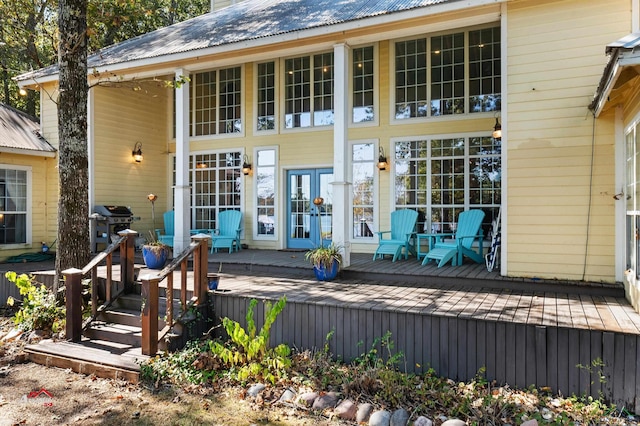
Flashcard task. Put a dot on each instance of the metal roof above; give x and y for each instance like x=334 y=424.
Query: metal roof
x=20 y=133
x=246 y=20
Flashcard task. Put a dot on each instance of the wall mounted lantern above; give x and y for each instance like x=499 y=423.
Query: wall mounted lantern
x=382 y=160
x=497 y=130
x=246 y=166
x=137 y=152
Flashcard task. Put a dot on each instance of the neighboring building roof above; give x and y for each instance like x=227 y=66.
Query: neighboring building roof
x=246 y=20
x=20 y=133
x=622 y=66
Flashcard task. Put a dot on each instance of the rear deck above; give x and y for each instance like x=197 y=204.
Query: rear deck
x=455 y=320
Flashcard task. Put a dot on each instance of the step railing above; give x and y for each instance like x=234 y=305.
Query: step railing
x=73 y=283
x=198 y=250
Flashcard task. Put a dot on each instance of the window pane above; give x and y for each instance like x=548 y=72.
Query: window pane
x=363 y=169
x=484 y=70
x=266 y=96
x=411 y=79
x=13 y=206
x=265 y=190
x=363 y=78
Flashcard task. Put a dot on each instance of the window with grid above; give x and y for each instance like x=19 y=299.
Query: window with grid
x=217 y=101
x=363 y=173
x=216 y=185
x=442 y=177
x=266 y=96
x=309 y=91
x=484 y=70
x=13 y=205
x=363 y=85
x=411 y=79
x=447 y=74
x=460 y=75
x=266 y=192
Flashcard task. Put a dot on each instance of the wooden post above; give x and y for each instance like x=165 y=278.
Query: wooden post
x=127 y=259
x=73 y=293
x=149 y=316
x=200 y=267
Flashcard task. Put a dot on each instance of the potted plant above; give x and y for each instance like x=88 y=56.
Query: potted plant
x=154 y=253
x=325 y=260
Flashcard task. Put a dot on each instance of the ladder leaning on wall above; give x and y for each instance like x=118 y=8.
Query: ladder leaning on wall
x=492 y=256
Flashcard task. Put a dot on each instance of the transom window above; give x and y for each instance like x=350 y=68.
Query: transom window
x=217 y=99
x=461 y=74
x=13 y=206
x=309 y=95
x=266 y=116
x=363 y=85
x=442 y=177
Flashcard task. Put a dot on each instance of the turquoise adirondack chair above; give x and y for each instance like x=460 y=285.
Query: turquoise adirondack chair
x=403 y=223
x=469 y=229
x=167 y=237
x=227 y=234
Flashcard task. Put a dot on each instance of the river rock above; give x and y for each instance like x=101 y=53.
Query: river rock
x=380 y=418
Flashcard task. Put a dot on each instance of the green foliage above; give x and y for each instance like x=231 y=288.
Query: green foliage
x=178 y=367
x=323 y=257
x=247 y=353
x=39 y=309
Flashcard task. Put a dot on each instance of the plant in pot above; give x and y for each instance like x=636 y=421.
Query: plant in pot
x=154 y=253
x=325 y=260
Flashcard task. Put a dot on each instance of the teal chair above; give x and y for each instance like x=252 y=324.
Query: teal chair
x=403 y=223
x=469 y=230
x=167 y=237
x=227 y=234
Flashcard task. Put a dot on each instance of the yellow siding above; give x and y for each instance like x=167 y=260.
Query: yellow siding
x=128 y=116
x=555 y=60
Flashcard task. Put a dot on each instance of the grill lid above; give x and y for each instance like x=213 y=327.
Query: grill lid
x=112 y=211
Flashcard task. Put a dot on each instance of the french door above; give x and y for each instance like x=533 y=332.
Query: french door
x=307 y=221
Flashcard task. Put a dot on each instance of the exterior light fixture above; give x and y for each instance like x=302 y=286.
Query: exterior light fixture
x=497 y=130
x=137 y=152
x=382 y=160
x=246 y=166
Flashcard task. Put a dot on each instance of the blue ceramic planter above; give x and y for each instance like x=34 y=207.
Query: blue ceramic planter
x=154 y=259
x=323 y=274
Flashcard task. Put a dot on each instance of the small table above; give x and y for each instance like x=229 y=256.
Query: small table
x=433 y=239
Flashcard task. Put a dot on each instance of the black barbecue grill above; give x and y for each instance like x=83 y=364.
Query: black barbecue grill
x=107 y=221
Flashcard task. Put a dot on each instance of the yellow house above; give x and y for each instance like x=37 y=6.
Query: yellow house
x=312 y=94
x=28 y=185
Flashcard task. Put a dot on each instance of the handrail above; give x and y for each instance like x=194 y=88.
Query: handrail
x=198 y=248
x=73 y=287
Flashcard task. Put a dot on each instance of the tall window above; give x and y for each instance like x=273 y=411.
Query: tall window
x=266 y=168
x=13 y=206
x=363 y=85
x=309 y=95
x=442 y=177
x=363 y=173
x=216 y=185
x=217 y=101
x=266 y=96
x=461 y=74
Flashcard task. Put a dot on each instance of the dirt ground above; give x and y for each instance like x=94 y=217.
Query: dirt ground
x=31 y=394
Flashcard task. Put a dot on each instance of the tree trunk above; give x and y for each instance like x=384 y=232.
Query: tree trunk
x=73 y=244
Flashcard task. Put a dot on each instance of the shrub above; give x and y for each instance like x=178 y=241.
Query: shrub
x=39 y=308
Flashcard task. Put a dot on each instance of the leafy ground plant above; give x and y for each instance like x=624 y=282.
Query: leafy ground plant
x=39 y=309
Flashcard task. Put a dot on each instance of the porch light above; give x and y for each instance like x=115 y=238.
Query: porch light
x=137 y=152
x=497 y=130
x=246 y=166
x=382 y=160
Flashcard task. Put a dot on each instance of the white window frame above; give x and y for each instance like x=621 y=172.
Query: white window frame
x=28 y=213
x=376 y=185
x=192 y=105
x=376 y=87
x=283 y=88
x=277 y=84
x=444 y=117
x=276 y=201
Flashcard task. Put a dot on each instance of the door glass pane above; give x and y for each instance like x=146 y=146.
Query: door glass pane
x=299 y=199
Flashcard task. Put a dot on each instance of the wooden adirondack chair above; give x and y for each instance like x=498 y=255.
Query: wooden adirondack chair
x=403 y=223
x=167 y=237
x=469 y=229
x=227 y=235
